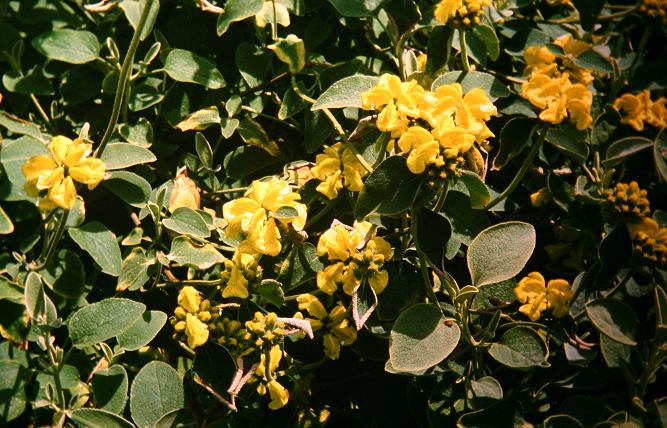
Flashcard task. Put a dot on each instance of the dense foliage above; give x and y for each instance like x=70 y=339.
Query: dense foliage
x=333 y=212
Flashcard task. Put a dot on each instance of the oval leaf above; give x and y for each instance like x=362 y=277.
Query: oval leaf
x=420 y=338
x=75 y=47
x=345 y=92
x=98 y=241
x=519 y=347
x=144 y=329
x=95 y=418
x=500 y=252
x=614 y=318
x=124 y=155
x=110 y=388
x=103 y=320
x=186 y=66
x=157 y=390
x=473 y=79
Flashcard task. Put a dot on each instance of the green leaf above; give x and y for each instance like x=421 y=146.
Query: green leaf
x=589 y=11
x=563 y=141
x=98 y=241
x=215 y=366
x=514 y=137
x=65 y=274
x=301 y=265
x=176 y=419
x=130 y=187
x=125 y=155
x=317 y=130
x=621 y=149
x=591 y=59
x=614 y=318
x=13 y=156
x=200 y=119
x=144 y=329
x=434 y=230
x=291 y=51
x=346 y=92
x=272 y=291
x=500 y=414
x=6 y=225
x=185 y=253
x=355 y=8
x=72 y=46
x=500 y=252
x=139 y=134
x=134 y=270
x=103 y=320
x=156 y=390
x=615 y=354
x=252 y=133
x=204 y=151
x=420 y=338
x=488 y=36
x=562 y=421
x=471 y=185
x=11 y=291
x=110 y=388
x=34 y=296
x=16 y=125
x=660 y=157
x=33 y=82
x=519 y=347
x=94 y=418
x=133 y=9
x=485 y=388
x=291 y=103
x=237 y=10
x=364 y=302
x=252 y=62
x=186 y=66
x=439 y=46
x=12 y=395
x=246 y=160
x=473 y=79
x=187 y=221
x=390 y=189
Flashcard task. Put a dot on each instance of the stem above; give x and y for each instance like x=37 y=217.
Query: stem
x=522 y=171
x=464 y=50
x=55 y=368
x=41 y=110
x=321 y=213
x=274 y=24
x=53 y=243
x=423 y=261
x=123 y=79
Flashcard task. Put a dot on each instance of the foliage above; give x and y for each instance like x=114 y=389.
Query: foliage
x=333 y=212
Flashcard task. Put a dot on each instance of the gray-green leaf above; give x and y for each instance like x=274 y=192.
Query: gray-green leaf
x=144 y=329
x=186 y=66
x=98 y=241
x=345 y=92
x=75 y=47
x=103 y=320
x=157 y=390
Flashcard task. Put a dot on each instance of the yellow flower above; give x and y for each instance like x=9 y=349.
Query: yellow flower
x=237 y=284
x=635 y=109
x=330 y=277
x=196 y=331
x=537 y=298
x=537 y=57
x=540 y=197
x=252 y=218
x=189 y=298
x=338 y=167
x=447 y=9
x=184 y=193
x=279 y=395
x=559 y=294
x=421 y=147
x=338 y=331
x=69 y=162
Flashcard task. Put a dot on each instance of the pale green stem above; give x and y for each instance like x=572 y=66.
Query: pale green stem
x=125 y=70
x=464 y=50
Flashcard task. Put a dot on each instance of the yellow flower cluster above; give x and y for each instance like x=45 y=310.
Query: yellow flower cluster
x=357 y=255
x=649 y=240
x=241 y=272
x=336 y=168
x=638 y=108
x=629 y=200
x=455 y=121
x=254 y=219
x=191 y=316
x=556 y=85
x=267 y=330
x=460 y=11
x=228 y=332
x=335 y=324
x=52 y=177
x=654 y=9
x=537 y=296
